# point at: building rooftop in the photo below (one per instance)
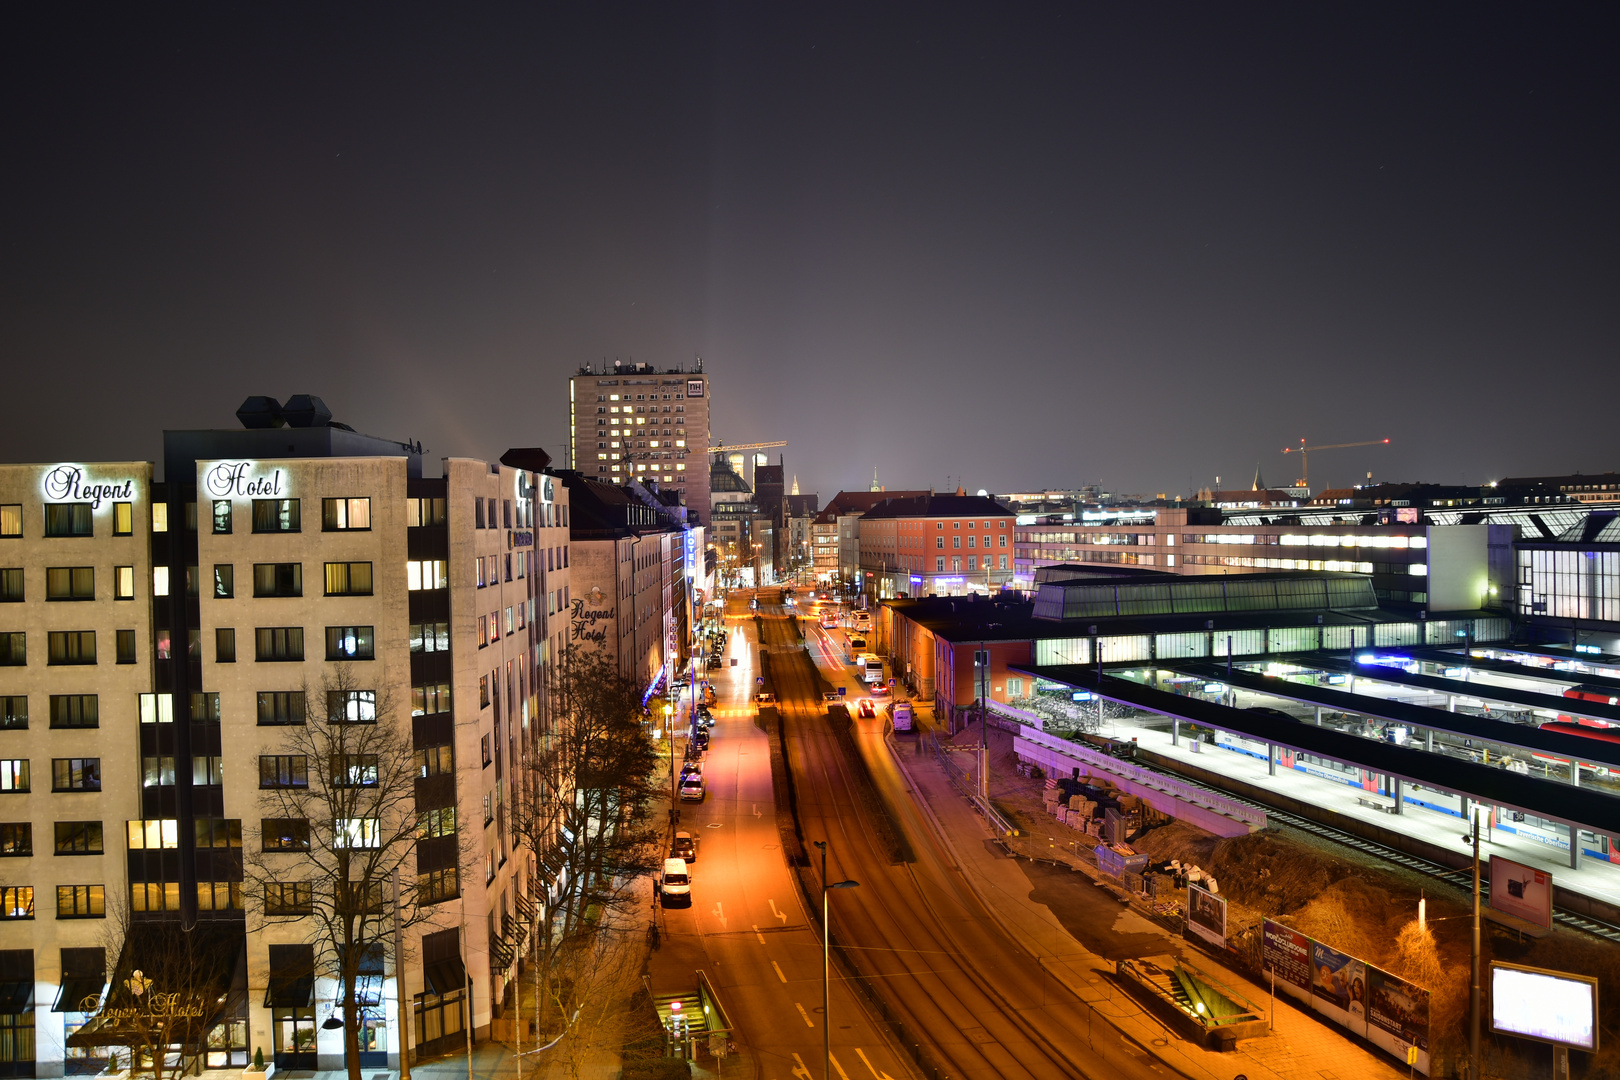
(967, 506)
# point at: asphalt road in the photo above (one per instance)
(976, 1002)
(747, 927)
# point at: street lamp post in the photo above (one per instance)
(826, 962)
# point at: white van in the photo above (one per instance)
(676, 881)
(901, 714)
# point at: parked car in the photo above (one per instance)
(675, 883)
(713, 663)
(831, 697)
(684, 846)
(691, 788)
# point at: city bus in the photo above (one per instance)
(829, 618)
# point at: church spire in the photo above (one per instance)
(795, 483)
(875, 485)
(1259, 481)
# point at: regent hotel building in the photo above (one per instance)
(157, 643)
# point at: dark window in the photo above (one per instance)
(70, 583)
(278, 579)
(16, 839)
(13, 649)
(278, 643)
(284, 834)
(76, 774)
(222, 515)
(506, 512)
(224, 645)
(224, 581)
(281, 707)
(345, 515)
(350, 643)
(157, 771)
(68, 519)
(205, 706)
(74, 711)
(14, 712)
(435, 761)
(348, 579)
(436, 886)
(354, 770)
(72, 646)
(283, 771)
(289, 898)
(11, 585)
(125, 641)
(351, 706)
(78, 838)
(478, 513)
(276, 515)
(81, 902)
(222, 833)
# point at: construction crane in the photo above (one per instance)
(1304, 453)
(722, 448)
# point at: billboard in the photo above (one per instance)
(1550, 1006)
(1286, 954)
(1206, 915)
(1397, 1015)
(1339, 985)
(1521, 890)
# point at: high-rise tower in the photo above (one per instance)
(636, 420)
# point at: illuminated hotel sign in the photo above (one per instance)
(240, 480)
(694, 387)
(67, 483)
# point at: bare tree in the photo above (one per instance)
(583, 811)
(337, 795)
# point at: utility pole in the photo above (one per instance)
(983, 656)
(399, 989)
(1473, 987)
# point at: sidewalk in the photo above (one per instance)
(1300, 1045)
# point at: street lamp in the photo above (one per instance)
(826, 962)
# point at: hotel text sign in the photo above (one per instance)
(239, 480)
(67, 483)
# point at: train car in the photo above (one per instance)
(1603, 695)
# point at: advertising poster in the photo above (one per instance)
(1398, 1016)
(1339, 983)
(1206, 915)
(1551, 1006)
(1286, 953)
(1522, 891)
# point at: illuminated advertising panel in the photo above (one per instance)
(1206, 915)
(1522, 891)
(1549, 1006)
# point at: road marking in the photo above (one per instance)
(807, 1021)
(759, 935)
(782, 915)
(870, 1067)
(756, 810)
(834, 1059)
(720, 915)
(778, 968)
(799, 1069)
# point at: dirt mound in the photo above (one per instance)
(1177, 840)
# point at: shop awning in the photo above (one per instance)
(16, 996)
(80, 993)
(445, 976)
(290, 991)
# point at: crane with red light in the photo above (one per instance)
(1304, 453)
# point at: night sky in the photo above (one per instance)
(1006, 246)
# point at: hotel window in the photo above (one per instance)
(75, 710)
(205, 707)
(348, 579)
(284, 834)
(431, 888)
(973, 562)
(271, 579)
(207, 771)
(956, 541)
(222, 516)
(354, 770)
(16, 839)
(430, 700)
(13, 649)
(972, 540)
(160, 517)
(78, 838)
(224, 645)
(153, 834)
(81, 902)
(351, 706)
(430, 824)
(289, 898)
(157, 708)
(14, 712)
(224, 581)
(154, 896)
(72, 647)
(425, 574)
(123, 583)
(278, 644)
(68, 519)
(11, 519)
(345, 515)
(420, 512)
(283, 771)
(430, 637)
(276, 516)
(17, 902)
(939, 562)
(1003, 562)
(123, 519)
(280, 707)
(1001, 541)
(124, 643)
(160, 581)
(435, 761)
(13, 774)
(956, 564)
(350, 643)
(357, 834)
(76, 774)
(11, 585)
(70, 583)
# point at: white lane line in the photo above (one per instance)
(778, 968)
(807, 1021)
(759, 935)
(834, 1059)
(870, 1067)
